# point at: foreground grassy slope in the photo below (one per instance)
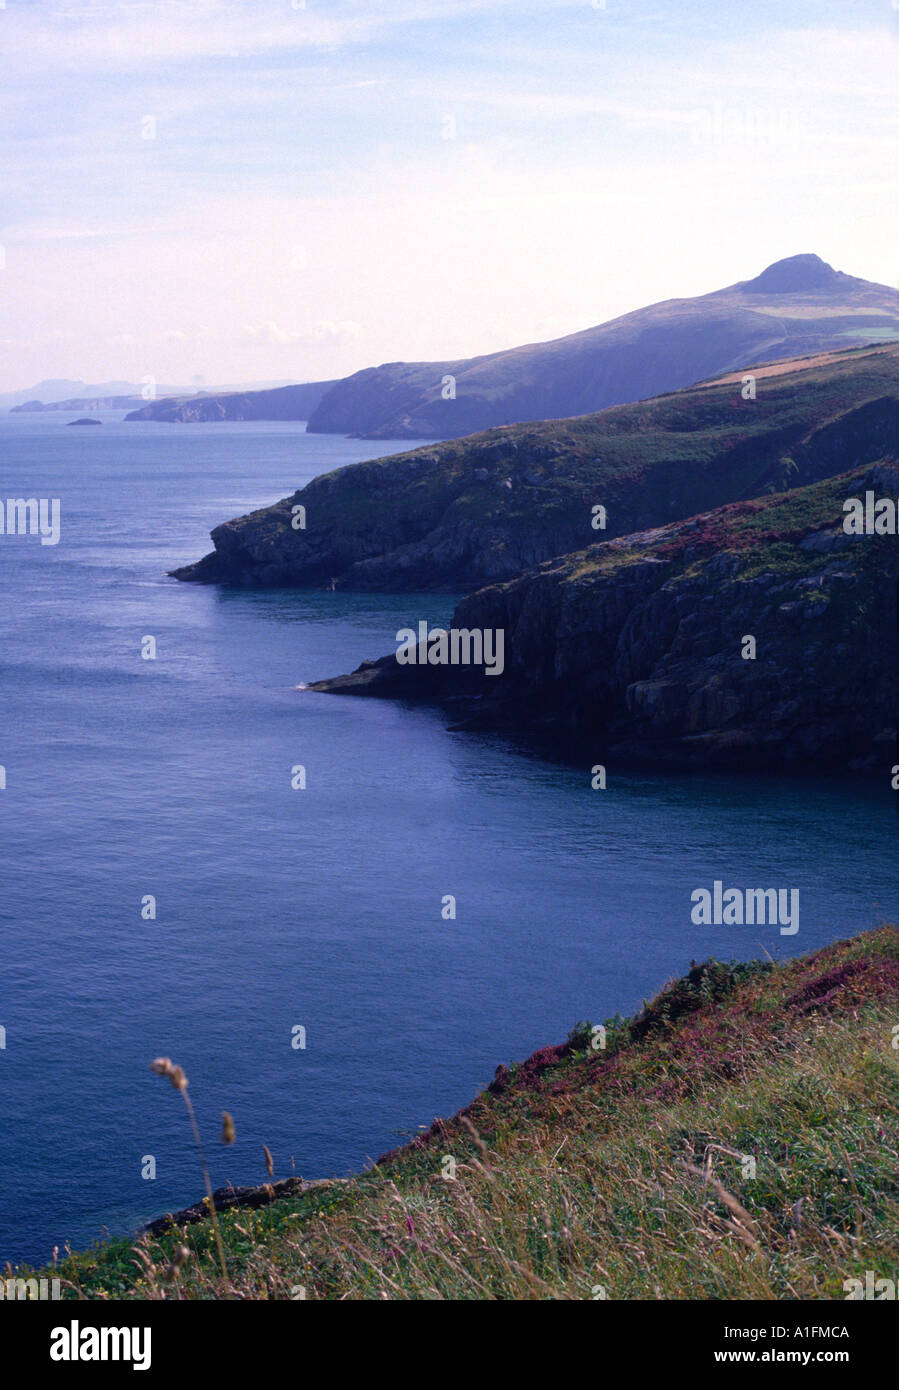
(621, 1172)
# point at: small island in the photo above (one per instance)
(84, 421)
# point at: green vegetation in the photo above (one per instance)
(468, 512)
(762, 534)
(737, 1139)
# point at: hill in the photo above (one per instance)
(62, 394)
(78, 403)
(465, 513)
(98, 399)
(796, 306)
(734, 1140)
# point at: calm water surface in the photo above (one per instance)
(322, 907)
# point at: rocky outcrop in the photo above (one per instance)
(798, 305)
(248, 1198)
(465, 513)
(639, 647)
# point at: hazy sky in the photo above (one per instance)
(339, 183)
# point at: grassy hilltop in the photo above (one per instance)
(798, 305)
(739, 1138)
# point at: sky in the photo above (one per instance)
(225, 191)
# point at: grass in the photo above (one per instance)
(737, 1139)
(649, 463)
(761, 534)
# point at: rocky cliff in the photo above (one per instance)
(465, 513)
(640, 645)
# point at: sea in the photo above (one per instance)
(337, 963)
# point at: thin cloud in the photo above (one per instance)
(325, 331)
(122, 35)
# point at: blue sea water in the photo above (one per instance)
(318, 907)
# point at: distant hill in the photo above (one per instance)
(468, 512)
(796, 306)
(78, 403)
(61, 394)
(279, 403)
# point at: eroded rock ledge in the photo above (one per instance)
(226, 1198)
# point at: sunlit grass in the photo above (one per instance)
(739, 1139)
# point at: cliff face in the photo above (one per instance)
(279, 403)
(796, 306)
(466, 513)
(639, 644)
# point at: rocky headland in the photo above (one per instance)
(758, 634)
(466, 513)
(275, 403)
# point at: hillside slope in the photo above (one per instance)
(735, 1140)
(637, 645)
(470, 512)
(796, 306)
